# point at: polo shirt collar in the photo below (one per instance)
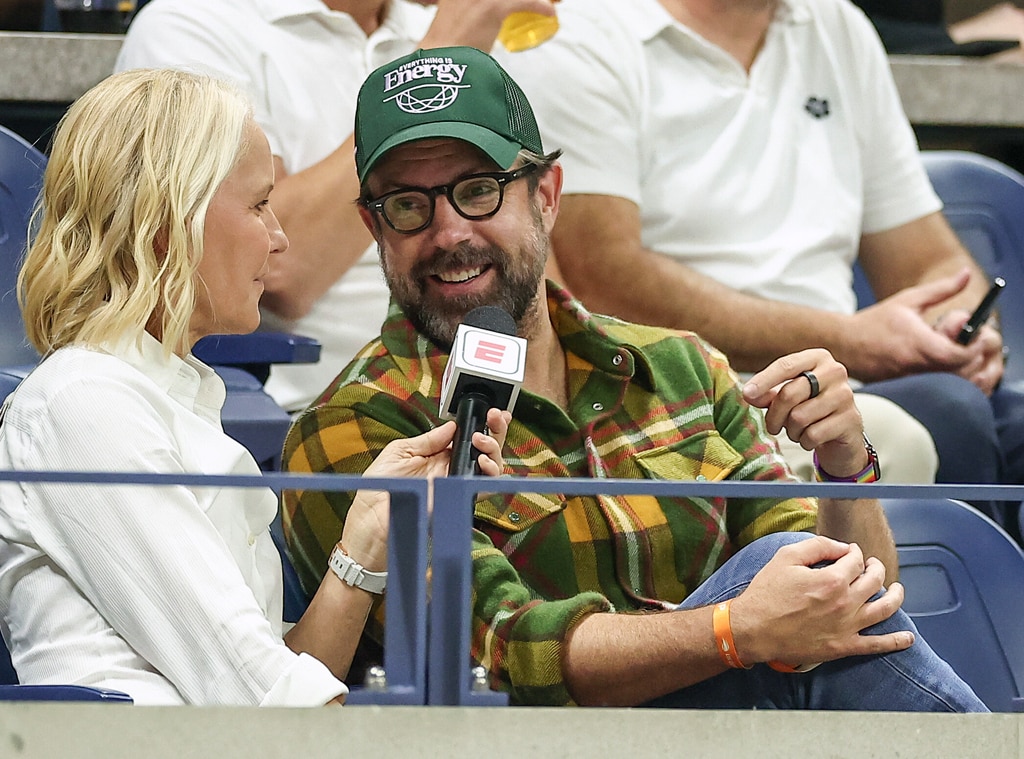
(277, 10)
(403, 17)
(651, 18)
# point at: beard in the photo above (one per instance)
(516, 284)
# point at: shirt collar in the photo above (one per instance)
(400, 16)
(578, 330)
(276, 10)
(187, 380)
(652, 18)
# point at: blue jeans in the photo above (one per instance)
(914, 680)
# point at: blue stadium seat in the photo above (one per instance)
(21, 172)
(982, 200)
(295, 598)
(964, 580)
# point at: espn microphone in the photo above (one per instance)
(485, 370)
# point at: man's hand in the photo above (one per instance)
(795, 612)
(476, 22)
(828, 422)
(365, 534)
(985, 367)
(900, 335)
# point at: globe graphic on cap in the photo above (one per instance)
(426, 98)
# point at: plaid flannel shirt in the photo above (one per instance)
(643, 403)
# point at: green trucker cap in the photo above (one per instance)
(457, 92)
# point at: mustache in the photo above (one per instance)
(462, 256)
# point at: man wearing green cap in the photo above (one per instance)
(604, 600)
(302, 62)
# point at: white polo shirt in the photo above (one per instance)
(172, 594)
(302, 64)
(763, 181)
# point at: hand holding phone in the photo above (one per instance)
(981, 313)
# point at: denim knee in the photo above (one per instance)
(735, 575)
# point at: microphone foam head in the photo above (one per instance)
(493, 318)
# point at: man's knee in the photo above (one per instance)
(732, 578)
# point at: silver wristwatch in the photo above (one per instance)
(352, 572)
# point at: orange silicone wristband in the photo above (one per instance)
(722, 625)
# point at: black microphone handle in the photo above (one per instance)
(470, 417)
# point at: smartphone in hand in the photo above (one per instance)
(981, 313)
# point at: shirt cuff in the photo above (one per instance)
(306, 682)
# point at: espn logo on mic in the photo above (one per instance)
(480, 358)
(491, 352)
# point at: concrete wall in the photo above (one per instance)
(97, 731)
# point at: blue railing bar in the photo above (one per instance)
(740, 489)
(275, 481)
(570, 485)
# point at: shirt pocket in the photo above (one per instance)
(705, 456)
(519, 511)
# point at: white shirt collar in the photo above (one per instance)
(652, 18)
(187, 380)
(400, 16)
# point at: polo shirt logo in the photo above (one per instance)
(426, 96)
(817, 107)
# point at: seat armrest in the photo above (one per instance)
(62, 693)
(257, 348)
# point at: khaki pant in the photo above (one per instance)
(906, 453)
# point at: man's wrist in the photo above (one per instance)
(870, 473)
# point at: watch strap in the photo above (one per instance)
(351, 572)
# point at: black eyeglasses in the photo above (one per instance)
(478, 196)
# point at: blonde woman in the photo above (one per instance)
(154, 230)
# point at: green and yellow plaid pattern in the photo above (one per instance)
(643, 403)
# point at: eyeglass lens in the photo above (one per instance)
(473, 197)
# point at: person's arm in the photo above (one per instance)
(791, 612)
(598, 246)
(332, 625)
(828, 423)
(475, 23)
(907, 268)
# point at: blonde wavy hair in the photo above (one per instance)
(134, 164)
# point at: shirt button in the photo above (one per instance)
(252, 540)
(617, 360)
(513, 516)
(598, 407)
